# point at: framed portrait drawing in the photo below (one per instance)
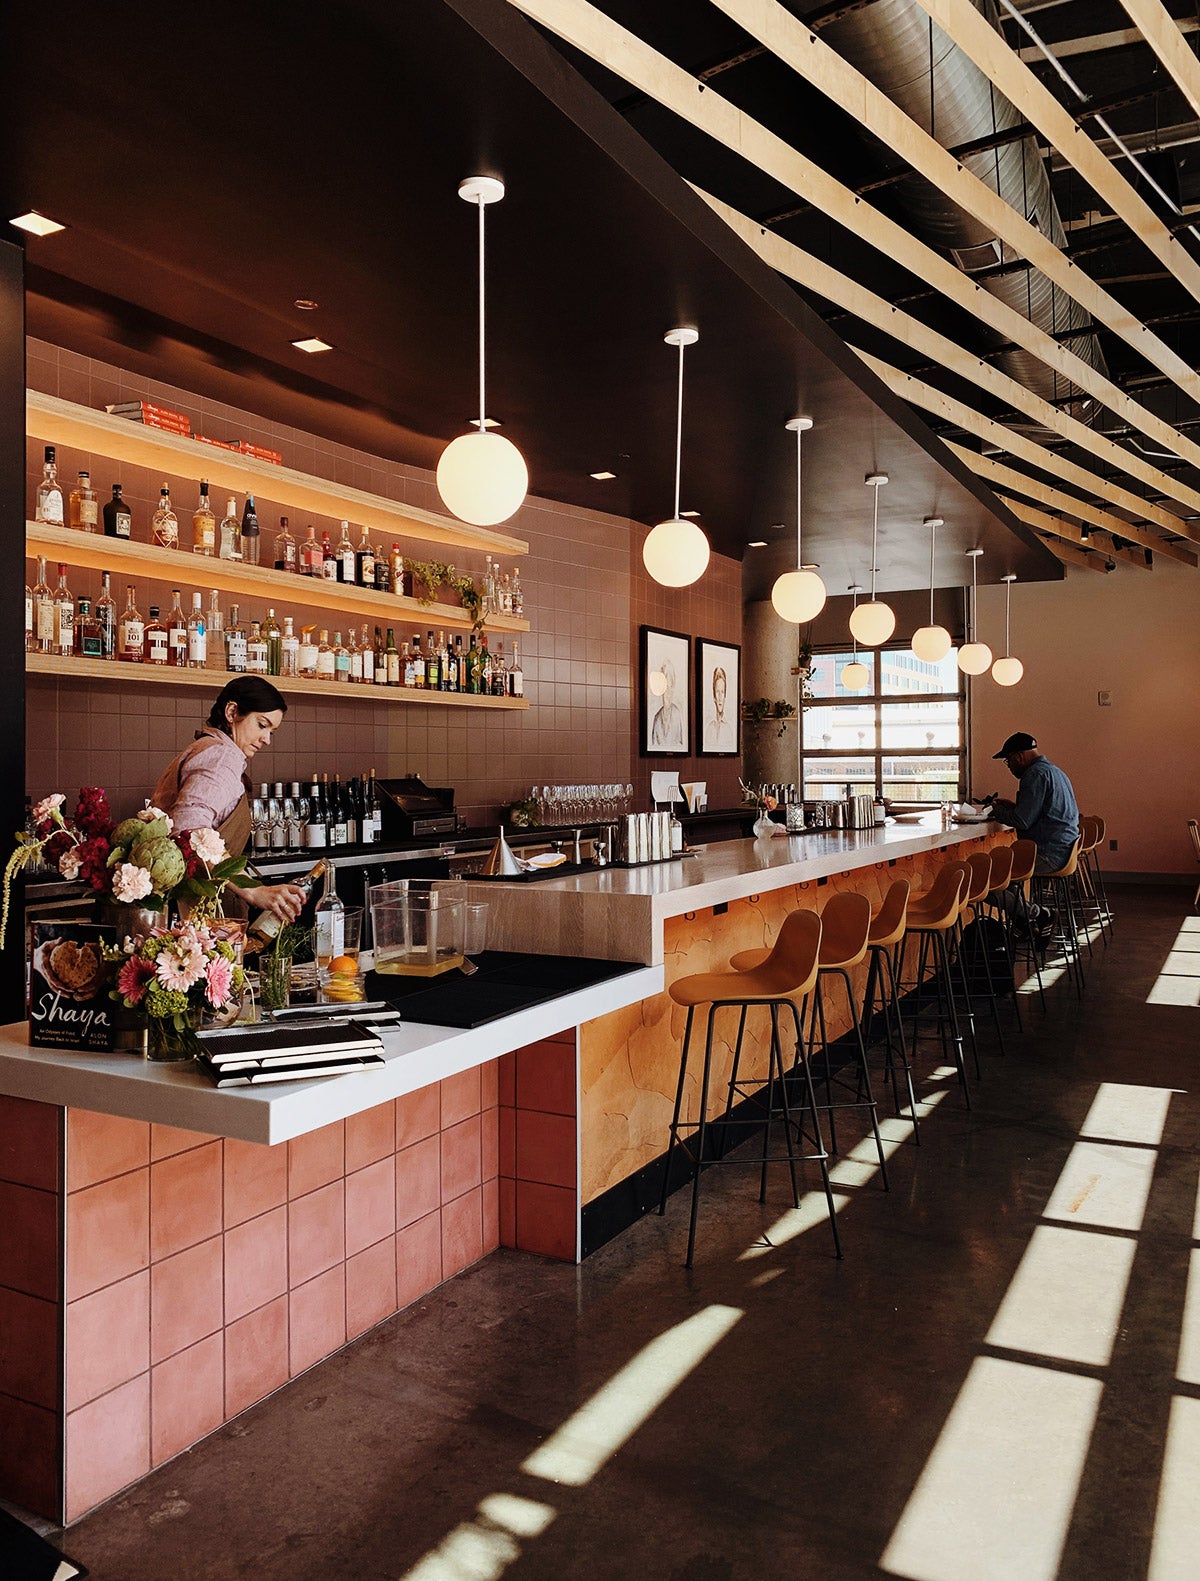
(718, 698)
(664, 678)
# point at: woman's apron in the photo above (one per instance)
(234, 829)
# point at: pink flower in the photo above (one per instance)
(131, 883)
(133, 978)
(149, 814)
(69, 863)
(208, 846)
(183, 970)
(220, 982)
(47, 807)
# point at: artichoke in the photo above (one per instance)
(162, 859)
(128, 832)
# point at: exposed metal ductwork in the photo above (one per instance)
(894, 44)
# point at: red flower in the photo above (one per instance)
(58, 842)
(93, 815)
(133, 978)
(93, 855)
(194, 864)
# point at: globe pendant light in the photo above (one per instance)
(1007, 671)
(873, 623)
(931, 643)
(798, 595)
(482, 477)
(855, 675)
(974, 657)
(676, 551)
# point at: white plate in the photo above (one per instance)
(909, 817)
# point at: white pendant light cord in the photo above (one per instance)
(874, 541)
(973, 623)
(932, 543)
(1007, 607)
(799, 502)
(679, 432)
(482, 325)
(853, 638)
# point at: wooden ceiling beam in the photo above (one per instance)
(981, 43)
(813, 60)
(1069, 555)
(930, 399)
(1058, 501)
(1097, 43)
(1043, 523)
(589, 30)
(1165, 37)
(815, 275)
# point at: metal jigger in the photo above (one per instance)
(500, 859)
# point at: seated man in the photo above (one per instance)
(1045, 810)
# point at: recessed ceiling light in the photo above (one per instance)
(757, 543)
(602, 477)
(36, 224)
(306, 304)
(689, 513)
(312, 344)
(776, 526)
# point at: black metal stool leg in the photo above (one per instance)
(890, 966)
(820, 998)
(777, 1057)
(820, 1156)
(956, 958)
(864, 1076)
(674, 1132)
(701, 1131)
(959, 1054)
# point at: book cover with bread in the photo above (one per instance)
(69, 981)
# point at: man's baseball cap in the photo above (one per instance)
(1021, 741)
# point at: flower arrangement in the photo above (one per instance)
(173, 977)
(752, 796)
(136, 862)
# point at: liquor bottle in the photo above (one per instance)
(229, 546)
(459, 666)
(329, 561)
(315, 832)
(499, 685)
(381, 661)
(344, 553)
(118, 518)
(350, 809)
(518, 597)
(260, 819)
(433, 672)
(489, 584)
(505, 595)
(329, 921)
(30, 634)
(356, 661)
(383, 574)
(273, 638)
(289, 649)
(44, 616)
(285, 548)
(87, 632)
(250, 545)
(204, 524)
(306, 658)
(391, 660)
(444, 662)
(235, 643)
(278, 820)
(516, 676)
(296, 812)
(85, 507)
(155, 644)
(341, 659)
(367, 652)
(256, 650)
(325, 663)
(64, 611)
(164, 524)
(364, 561)
(311, 554)
(177, 633)
(400, 581)
(215, 621)
(485, 667)
(406, 665)
(50, 507)
(264, 929)
(106, 619)
(418, 663)
(474, 668)
(131, 634)
(197, 636)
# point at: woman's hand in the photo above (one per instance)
(285, 901)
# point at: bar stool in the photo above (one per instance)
(884, 942)
(1063, 884)
(782, 979)
(980, 863)
(1091, 832)
(1097, 872)
(1001, 857)
(931, 919)
(1024, 861)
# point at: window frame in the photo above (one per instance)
(880, 701)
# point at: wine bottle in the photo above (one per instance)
(264, 929)
(329, 920)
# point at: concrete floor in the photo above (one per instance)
(979, 1392)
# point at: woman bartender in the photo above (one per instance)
(205, 786)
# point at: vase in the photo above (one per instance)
(169, 1044)
(131, 922)
(763, 827)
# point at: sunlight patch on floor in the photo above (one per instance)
(593, 1434)
(1121, 1112)
(1178, 983)
(1173, 1556)
(1187, 1365)
(484, 1548)
(995, 1498)
(1103, 1185)
(1065, 1299)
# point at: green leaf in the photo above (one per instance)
(227, 869)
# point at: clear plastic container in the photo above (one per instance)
(418, 934)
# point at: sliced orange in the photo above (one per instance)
(343, 966)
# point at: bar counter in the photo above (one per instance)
(169, 1269)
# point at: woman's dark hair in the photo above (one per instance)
(250, 694)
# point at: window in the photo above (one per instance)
(903, 736)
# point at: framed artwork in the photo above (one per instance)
(718, 698)
(663, 678)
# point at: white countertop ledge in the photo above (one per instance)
(179, 1095)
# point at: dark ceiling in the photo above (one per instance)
(207, 188)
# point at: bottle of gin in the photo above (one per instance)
(204, 524)
(106, 619)
(64, 609)
(215, 621)
(307, 656)
(44, 618)
(329, 921)
(256, 650)
(311, 556)
(177, 632)
(285, 548)
(235, 643)
(197, 636)
(289, 649)
(164, 524)
(229, 546)
(50, 507)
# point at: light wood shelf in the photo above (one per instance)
(128, 558)
(58, 422)
(290, 686)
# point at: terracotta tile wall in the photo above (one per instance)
(539, 1148)
(583, 597)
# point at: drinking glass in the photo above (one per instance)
(475, 927)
